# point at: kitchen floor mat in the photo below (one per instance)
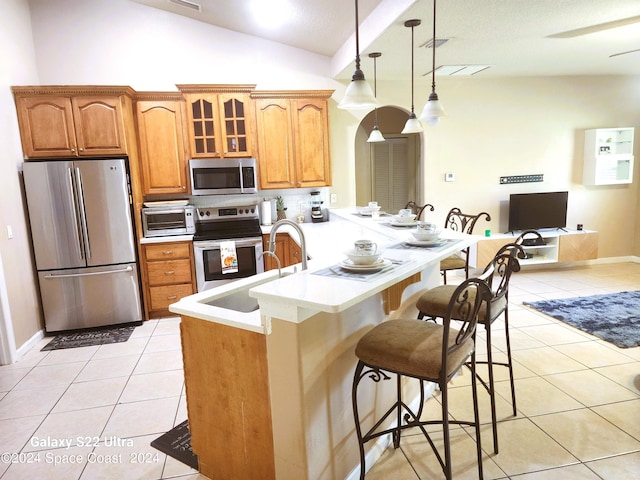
(177, 444)
(88, 338)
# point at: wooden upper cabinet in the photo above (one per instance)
(219, 120)
(293, 138)
(71, 121)
(311, 142)
(161, 137)
(275, 143)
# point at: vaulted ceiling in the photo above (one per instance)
(512, 37)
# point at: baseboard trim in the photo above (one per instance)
(29, 344)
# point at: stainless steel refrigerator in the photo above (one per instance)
(82, 230)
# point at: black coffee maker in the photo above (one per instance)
(318, 214)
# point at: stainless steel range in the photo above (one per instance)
(215, 225)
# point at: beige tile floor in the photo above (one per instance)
(578, 397)
(578, 402)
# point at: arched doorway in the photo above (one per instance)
(388, 172)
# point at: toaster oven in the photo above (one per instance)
(165, 221)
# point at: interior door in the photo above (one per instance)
(393, 174)
(107, 210)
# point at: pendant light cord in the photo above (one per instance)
(433, 64)
(412, 109)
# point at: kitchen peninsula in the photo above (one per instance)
(269, 390)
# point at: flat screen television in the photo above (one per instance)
(538, 210)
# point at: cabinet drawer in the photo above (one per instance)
(162, 297)
(167, 251)
(170, 272)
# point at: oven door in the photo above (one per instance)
(209, 266)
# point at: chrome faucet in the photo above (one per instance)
(272, 239)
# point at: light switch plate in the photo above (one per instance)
(449, 177)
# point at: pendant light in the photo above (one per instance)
(413, 125)
(358, 94)
(433, 108)
(376, 134)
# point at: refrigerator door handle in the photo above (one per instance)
(76, 212)
(70, 275)
(81, 208)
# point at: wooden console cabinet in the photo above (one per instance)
(559, 247)
(169, 275)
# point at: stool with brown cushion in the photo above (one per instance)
(434, 303)
(460, 222)
(417, 209)
(428, 352)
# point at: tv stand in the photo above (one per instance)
(559, 246)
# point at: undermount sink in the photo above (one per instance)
(239, 300)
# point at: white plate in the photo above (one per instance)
(167, 203)
(379, 265)
(425, 243)
(395, 223)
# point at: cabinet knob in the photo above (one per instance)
(81, 149)
(73, 150)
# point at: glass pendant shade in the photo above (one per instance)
(376, 135)
(413, 125)
(358, 96)
(432, 111)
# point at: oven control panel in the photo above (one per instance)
(227, 213)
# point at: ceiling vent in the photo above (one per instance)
(439, 42)
(187, 4)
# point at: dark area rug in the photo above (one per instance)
(88, 338)
(612, 317)
(177, 444)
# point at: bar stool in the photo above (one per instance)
(460, 222)
(428, 352)
(417, 209)
(434, 303)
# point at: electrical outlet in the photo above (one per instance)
(334, 198)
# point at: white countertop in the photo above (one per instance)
(296, 297)
(166, 239)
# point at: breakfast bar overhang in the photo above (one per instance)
(269, 391)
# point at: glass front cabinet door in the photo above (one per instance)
(219, 120)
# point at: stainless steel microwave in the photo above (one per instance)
(223, 176)
(165, 221)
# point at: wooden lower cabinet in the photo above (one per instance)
(168, 274)
(287, 250)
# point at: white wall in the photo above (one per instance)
(18, 67)
(120, 42)
(518, 126)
